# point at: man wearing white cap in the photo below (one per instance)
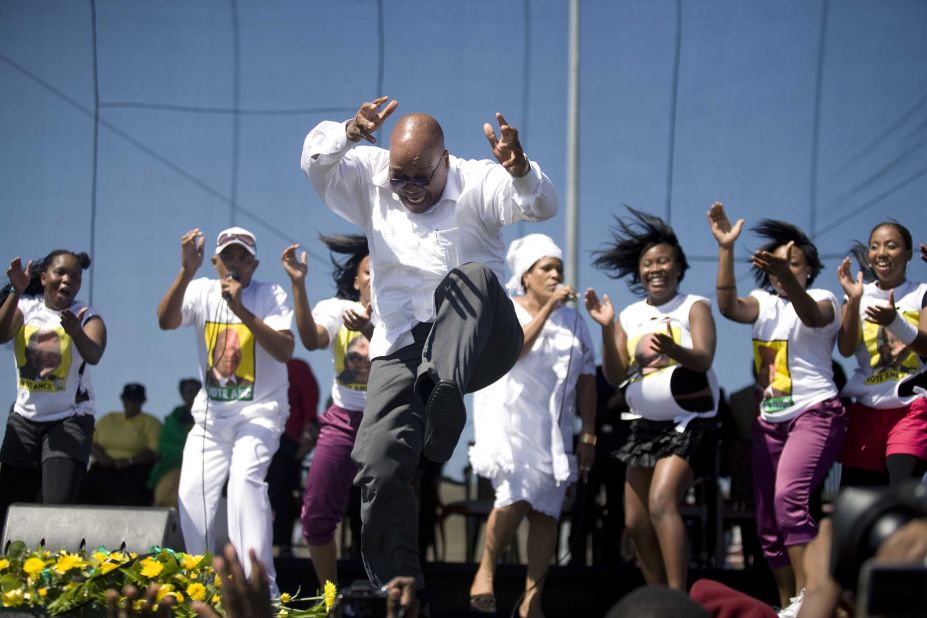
(444, 324)
(239, 418)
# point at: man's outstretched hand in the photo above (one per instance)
(506, 148)
(368, 119)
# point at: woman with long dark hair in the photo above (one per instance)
(802, 422)
(884, 325)
(661, 350)
(343, 325)
(49, 432)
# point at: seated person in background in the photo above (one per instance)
(165, 475)
(124, 450)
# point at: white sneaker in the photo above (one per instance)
(794, 605)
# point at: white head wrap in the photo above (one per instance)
(522, 255)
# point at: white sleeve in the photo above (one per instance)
(276, 309)
(818, 295)
(507, 199)
(340, 172)
(328, 314)
(194, 302)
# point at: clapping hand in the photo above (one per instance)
(721, 228)
(600, 310)
(191, 250)
(882, 314)
(852, 287)
(774, 265)
(367, 119)
(506, 148)
(19, 278)
(72, 323)
(297, 269)
(357, 320)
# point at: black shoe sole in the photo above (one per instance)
(445, 417)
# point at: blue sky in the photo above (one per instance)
(810, 111)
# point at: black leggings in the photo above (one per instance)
(56, 482)
(900, 469)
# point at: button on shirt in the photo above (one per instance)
(411, 253)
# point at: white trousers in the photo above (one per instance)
(239, 449)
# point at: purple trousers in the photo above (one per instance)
(328, 487)
(790, 459)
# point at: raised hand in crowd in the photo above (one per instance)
(721, 228)
(19, 277)
(600, 309)
(296, 269)
(149, 607)
(852, 287)
(191, 250)
(359, 321)
(241, 597)
(506, 148)
(368, 119)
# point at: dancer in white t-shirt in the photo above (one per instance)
(243, 337)
(884, 325)
(661, 348)
(524, 421)
(802, 422)
(49, 432)
(342, 325)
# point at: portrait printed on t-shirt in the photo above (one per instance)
(43, 358)
(890, 359)
(640, 348)
(352, 359)
(771, 361)
(230, 362)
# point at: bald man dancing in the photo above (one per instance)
(445, 326)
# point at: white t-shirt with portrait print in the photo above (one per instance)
(350, 352)
(883, 362)
(239, 376)
(792, 361)
(53, 381)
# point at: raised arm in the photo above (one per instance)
(11, 318)
(850, 328)
(744, 310)
(813, 314)
(614, 340)
(191, 258)
(313, 336)
(534, 196)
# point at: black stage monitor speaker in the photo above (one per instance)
(73, 526)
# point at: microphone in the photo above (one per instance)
(572, 297)
(235, 276)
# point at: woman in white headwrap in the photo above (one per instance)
(524, 422)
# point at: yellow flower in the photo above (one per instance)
(118, 556)
(283, 613)
(34, 566)
(285, 597)
(330, 592)
(43, 592)
(99, 556)
(197, 592)
(215, 599)
(4, 563)
(67, 562)
(13, 598)
(106, 567)
(166, 590)
(190, 562)
(151, 568)
(218, 581)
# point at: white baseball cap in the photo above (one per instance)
(236, 236)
